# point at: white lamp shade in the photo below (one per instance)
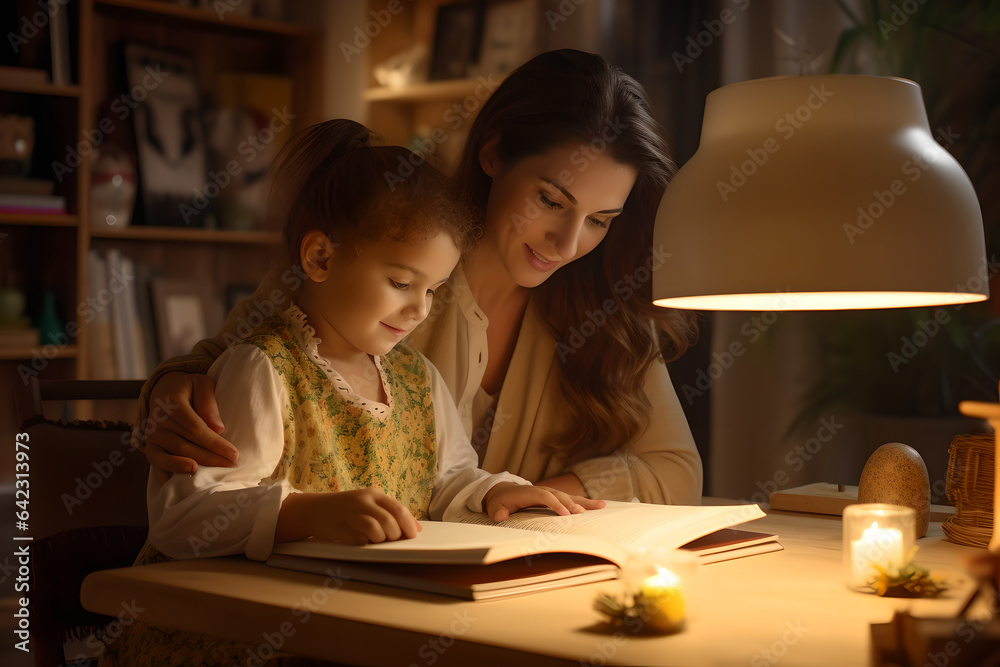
(819, 193)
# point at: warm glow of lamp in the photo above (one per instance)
(819, 193)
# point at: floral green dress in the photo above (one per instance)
(331, 443)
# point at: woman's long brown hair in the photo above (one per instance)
(599, 308)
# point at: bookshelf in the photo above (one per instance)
(427, 108)
(51, 252)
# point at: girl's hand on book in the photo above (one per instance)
(506, 498)
(349, 517)
(183, 426)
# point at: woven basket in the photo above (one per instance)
(970, 488)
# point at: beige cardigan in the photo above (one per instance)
(661, 465)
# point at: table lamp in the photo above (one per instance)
(821, 193)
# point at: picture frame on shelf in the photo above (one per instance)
(181, 314)
(509, 34)
(170, 138)
(457, 31)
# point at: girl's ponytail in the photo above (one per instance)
(331, 177)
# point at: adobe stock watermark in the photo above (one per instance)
(900, 13)
(432, 650)
(752, 330)
(88, 310)
(882, 200)
(365, 33)
(966, 630)
(86, 485)
(102, 641)
(249, 149)
(223, 7)
(926, 330)
(122, 107)
(626, 287)
(714, 28)
(455, 116)
(219, 525)
(36, 24)
(786, 126)
(581, 158)
(302, 611)
(561, 13)
(770, 655)
(796, 459)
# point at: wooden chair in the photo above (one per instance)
(87, 513)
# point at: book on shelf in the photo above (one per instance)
(32, 204)
(100, 338)
(121, 328)
(145, 274)
(23, 185)
(59, 43)
(133, 323)
(476, 558)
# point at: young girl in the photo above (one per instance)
(342, 434)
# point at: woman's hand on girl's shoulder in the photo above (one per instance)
(182, 427)
(506, 498)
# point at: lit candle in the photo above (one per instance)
(661, 601)
(877, 546)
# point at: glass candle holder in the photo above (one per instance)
(658, 581)
(876, 537)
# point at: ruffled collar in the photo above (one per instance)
(310, 342)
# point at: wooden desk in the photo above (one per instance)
(789, 607)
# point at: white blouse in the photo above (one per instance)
(224, 511)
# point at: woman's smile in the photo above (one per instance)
(538, 262)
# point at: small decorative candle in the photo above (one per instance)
(876, 536)
(661, 602)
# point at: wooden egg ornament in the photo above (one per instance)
(895, 474)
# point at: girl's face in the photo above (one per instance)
(550, 209)
(364, 299)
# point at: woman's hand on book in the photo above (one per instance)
(356, 517)
(183, 426)
(506, 498)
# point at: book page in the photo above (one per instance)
(444, 542)
(631, 524)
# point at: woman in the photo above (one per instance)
(545, 333)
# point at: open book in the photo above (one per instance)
(532, 550)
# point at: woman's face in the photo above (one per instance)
(547, 210)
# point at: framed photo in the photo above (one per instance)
(508, 39)
(456, 40)
(181, 314)
(170, 139)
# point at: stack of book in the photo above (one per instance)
(30, 196)
(475, 558)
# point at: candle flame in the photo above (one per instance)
(664, 577)
(874, 524)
